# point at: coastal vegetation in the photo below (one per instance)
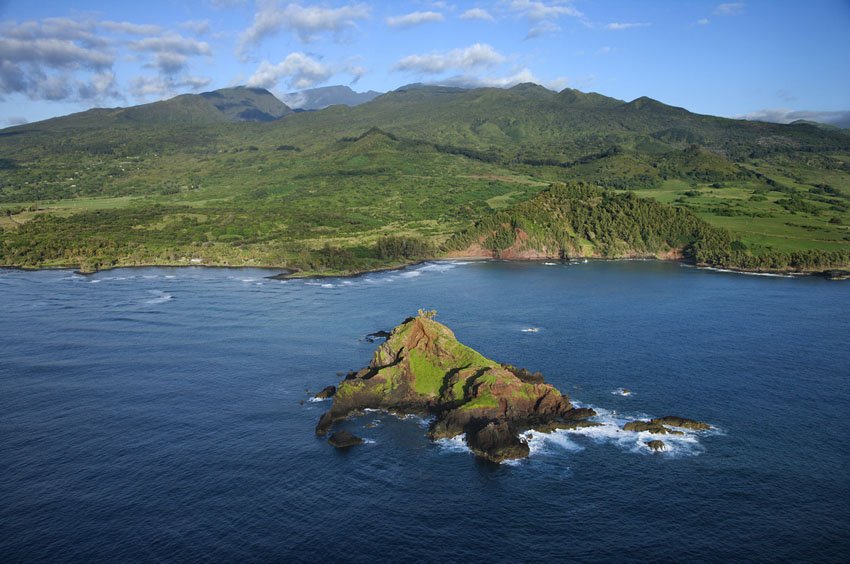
(419, 173)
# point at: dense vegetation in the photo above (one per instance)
(406, 176)
(576, 220)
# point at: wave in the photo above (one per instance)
(625, 392)
(611, 432)
(160, 297)
(318, 400)
(530, 330)
(453, 444)
(745, 273)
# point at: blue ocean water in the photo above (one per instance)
(163, 414)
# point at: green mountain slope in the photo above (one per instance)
(179, 178)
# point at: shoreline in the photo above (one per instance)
(283, 273)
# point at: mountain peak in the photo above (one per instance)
(247, 103)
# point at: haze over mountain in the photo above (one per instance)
(320, 98)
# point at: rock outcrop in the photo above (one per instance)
(674, 421)
(656, 445)
(650, 427)
(422, 368)
(344, 439)
(326, 393)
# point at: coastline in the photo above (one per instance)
(283, 273)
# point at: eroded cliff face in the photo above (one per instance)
(423, 368)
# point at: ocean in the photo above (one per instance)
(164, 414)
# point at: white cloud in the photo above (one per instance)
(131, 28)
(56, 53)
(729, 9)
(414, 18)
(54, 59)
(297, 70)
(64, 29)
(159, 87)
(172, 43)
(306, 22)
(837, 118)
(537, 11)
(703, 21)
(198, 27)
(475, 56)
(494, 81)
(477, 14)
(541, 29)
(356, 73)
(171, 52)
(617, 26)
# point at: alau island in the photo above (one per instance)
(423, 369)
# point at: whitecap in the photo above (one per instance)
(530, 330)
(625, 392)
(745, 273)
(539, 442)
(611, 432)
(318, 400)
(410, 273)
(453, 444)
(550, 263)
(94, 281)
(369, 441)
(161, 297)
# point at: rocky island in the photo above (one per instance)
(422, 368)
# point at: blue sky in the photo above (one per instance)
(756, 58)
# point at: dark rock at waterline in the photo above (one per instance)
(651, 427)
(283, 275)
(497, 441)
(327, 392)
(372, 337)
(656, 445)
(549, 426)
(578, 413)
(674, 421)
(835, 274)
(344, 439)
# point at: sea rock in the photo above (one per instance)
(550, 426)
(327, 392)
(344, 439)
(656, 445)
(674, 421)
(497, 441)
(836, 274)
(372, 337)
(423, 368)
(651, 427)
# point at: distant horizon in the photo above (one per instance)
(730, 59)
